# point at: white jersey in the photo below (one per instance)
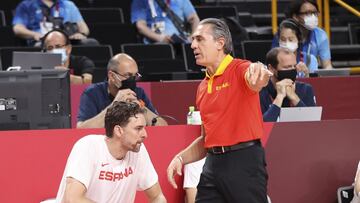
(106, 178)
(192, 172)
(356, 198)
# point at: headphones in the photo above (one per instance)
(291, 24)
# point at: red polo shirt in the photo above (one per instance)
(230, 110)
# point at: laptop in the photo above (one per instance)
(311, 113)
(36, 60)
(333, 72)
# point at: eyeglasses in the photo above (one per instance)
(128, 75)
(307, 13)
(57, 46)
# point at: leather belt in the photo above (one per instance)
(225, 149)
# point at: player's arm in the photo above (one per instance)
(75, 192)
(154, 194)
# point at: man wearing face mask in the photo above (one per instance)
(81, 67)
(314, 40)
(283, 90)
(120, 86)
(290, 37)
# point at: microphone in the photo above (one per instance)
(154, 120)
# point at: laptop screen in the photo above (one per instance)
(36, 60)
(289, 114)
(333, 72)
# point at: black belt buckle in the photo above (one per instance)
(221, 151)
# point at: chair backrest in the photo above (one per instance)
(102, 15)
(354, 33)
(2, 18)
(114, 34)
(216, 11)
(189, 58)
(345, 194)
(123, 4)
(345, 52)
(149, 51)
(100, 55)
(255, 50)
(6, 54)
(99, 74)
(7, 37)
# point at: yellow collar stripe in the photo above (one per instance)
(219, 71)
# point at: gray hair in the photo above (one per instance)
(220, 30)
(113, 64)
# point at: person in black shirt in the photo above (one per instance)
(81, 67)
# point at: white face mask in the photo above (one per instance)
(61, 51)
(292, 46)
(311, 21)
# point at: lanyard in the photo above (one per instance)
(153, 10)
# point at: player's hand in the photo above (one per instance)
(174, 168)
(126, 95)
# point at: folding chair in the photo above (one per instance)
(102, 15)
(100, 55)
(149, 51)
(255, 50)
(345, 194)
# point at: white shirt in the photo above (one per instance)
(106, 178)
(192, 172)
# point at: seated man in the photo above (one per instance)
(155, 24)
(34, 18)
(283, 90)
(111, 168)
(81, 67)
(120, 86)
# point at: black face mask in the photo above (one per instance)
(129, 83)
(289, 74)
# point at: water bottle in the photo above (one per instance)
(190, 119)
(193, 117)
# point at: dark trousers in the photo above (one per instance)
(235, 177)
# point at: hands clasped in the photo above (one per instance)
(126, 95)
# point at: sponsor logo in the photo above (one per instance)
(222, 86)
(104, 164)
(111, 176)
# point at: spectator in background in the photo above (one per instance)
(112, 168)
(34, 18)
(120, 86)
(283, 90)
(81, 67)
(314, 39)
(290, 37)
(155, 25)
